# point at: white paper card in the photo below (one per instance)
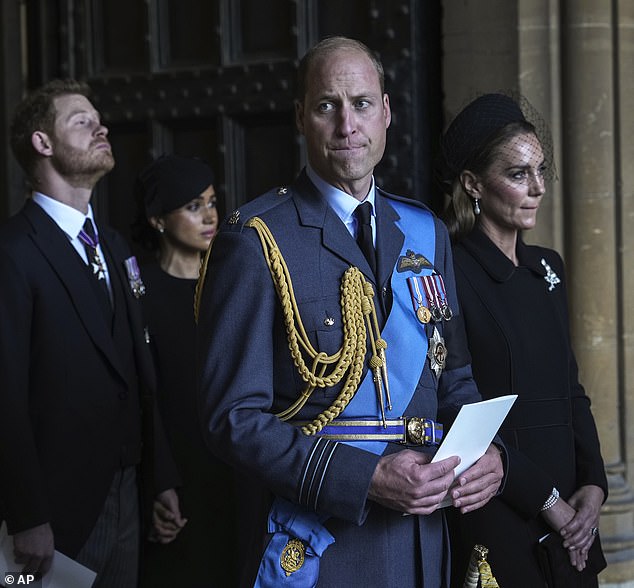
(472, 432)
(64, 573)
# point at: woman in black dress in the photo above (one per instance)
(492, 167)
(177, 220)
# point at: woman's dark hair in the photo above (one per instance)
(141, 231)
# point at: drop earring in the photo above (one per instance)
(476, 206)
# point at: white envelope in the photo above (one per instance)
(64, 573)
(472, 432)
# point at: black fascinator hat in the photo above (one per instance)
(171, 181)
(480, 121)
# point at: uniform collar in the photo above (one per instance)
(343, 204)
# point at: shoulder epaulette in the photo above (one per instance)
(257, 207)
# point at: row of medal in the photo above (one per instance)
(429, 298)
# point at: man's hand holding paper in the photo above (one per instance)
(477, 485)
(480, 472)
(406, 481)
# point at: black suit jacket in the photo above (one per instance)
(70, 402)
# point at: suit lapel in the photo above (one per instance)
(127, 305)
(60, 254)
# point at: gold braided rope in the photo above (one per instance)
(479, 569)
(358, 318)
(198, 292)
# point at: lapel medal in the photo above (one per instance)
(423, 314)
(418, 299)
(442, 294)
(437, 353)
(434, 287)
(134, 276)
(429, 286)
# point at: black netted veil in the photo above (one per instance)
(479, 122)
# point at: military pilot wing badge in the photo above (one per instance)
(412, 262)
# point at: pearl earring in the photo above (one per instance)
(476, 206)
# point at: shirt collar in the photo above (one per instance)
(69, 219)
(343, 204)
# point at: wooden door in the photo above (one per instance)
(216, 79)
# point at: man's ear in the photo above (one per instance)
(42, 143)
(299, 116)
(387, 112)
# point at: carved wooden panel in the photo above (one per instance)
(258, 32)
(186, 33)
(217, 79)
(116, 37)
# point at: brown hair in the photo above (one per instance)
(327, 47)
(37, 112)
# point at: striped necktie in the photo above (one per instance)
(96, 264)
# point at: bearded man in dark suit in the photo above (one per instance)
(75, 368)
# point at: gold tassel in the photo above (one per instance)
(479, 569)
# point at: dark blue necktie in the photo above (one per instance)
(363, 213)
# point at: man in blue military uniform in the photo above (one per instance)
(330, 358)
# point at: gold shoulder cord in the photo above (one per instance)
(479, 569)
(358, 317)
(198, 292)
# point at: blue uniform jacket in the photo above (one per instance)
(247, 375)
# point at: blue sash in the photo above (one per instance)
(403, 333)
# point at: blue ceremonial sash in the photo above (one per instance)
(289, 521)
(403, 333)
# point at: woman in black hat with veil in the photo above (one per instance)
(542, 529)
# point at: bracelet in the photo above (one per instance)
(551, 500)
